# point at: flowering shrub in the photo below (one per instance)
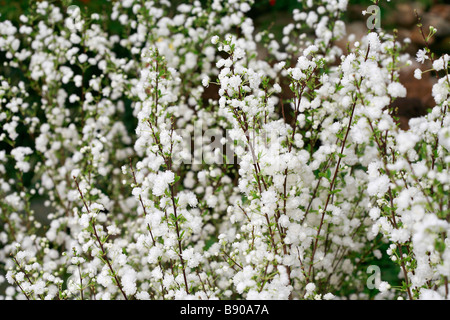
(191, 156)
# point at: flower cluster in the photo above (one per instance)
(309, 179)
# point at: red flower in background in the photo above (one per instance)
(272, 2)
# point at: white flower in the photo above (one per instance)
(421, 55)
(215, 39)
(205, 81)
(406, 141)
(310, 287)
(384, 286)
(277, 88)
(82, 58)
(328, 296)
(309, 50)
(19, 155)
(418, 74)
(113, 230)
(378, 186)
(245, 7)
(296, 73)
(129, 281)
(142, 295)
(438, 64)
(374, 41)
(374, 213)
(396, 90)
(428, 294)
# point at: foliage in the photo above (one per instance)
(180, 154)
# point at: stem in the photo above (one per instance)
(142, 204)
(25, 273)
(81, 283)
(104, 253)
(23, 291)
(331, 188)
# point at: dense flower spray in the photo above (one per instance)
(191, 156)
